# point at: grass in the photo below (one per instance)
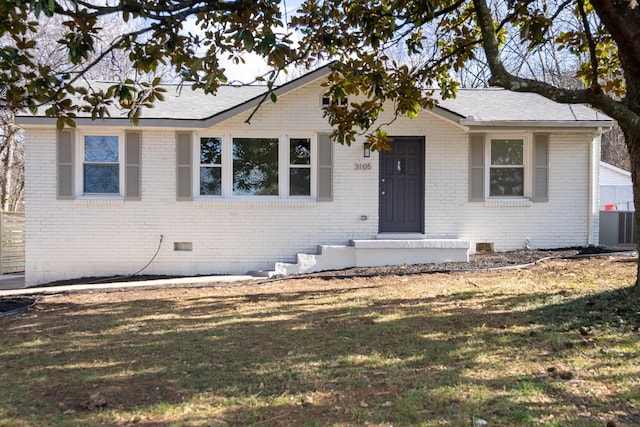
(555, 345)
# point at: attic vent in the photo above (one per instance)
(327, 100)
(183, 246)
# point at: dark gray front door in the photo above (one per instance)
(402, 186)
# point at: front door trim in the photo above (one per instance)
(402, 186)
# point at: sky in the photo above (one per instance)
(254, 65)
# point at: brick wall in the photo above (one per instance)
(76, 238)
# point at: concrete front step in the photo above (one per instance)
(375, 253)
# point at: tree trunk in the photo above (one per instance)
(12, 166)
(7, 184)
(633, 144)
(621, 20)
(16, 203)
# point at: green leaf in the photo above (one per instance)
(248, 40)
(413, 111)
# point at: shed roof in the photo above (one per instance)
(612, 175)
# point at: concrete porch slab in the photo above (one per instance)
(411, 244)
(375, 253)
(378, 252)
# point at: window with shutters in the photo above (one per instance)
(272, 166)
(101, 166)
(93, 165)
(508, 166)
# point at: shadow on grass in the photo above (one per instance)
(617, 309)
(330, 356)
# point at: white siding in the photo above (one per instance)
(76, 238)
(611, 175)
(615, 188)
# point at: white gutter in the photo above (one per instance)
(593, 237)
(537, 124)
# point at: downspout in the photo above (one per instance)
(594, 190)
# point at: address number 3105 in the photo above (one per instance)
(363, 166)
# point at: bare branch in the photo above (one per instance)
(592, 45)
(500, 77)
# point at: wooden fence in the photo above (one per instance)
(11, 242)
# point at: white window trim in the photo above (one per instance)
(196, 172)
(79, 168)
(227, 167)
(286, 144)
(527, 141)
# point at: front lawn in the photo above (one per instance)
(553, 345)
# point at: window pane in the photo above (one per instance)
(211, 151)
(210, 181)
(300, 153)
(255, 166)
(506, 152)
(101, 179)
(506, 182)
(100, 149)
(300, 181)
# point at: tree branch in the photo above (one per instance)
(502, 78)
(191, 7)
(593, 56)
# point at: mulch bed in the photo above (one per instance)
(15, 305)
(478, 261)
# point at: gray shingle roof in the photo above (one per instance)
(181, 102)
(187, 104)
(500, 105)
(184, 107)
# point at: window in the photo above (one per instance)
(93, 166)
(101, 167)
(515, 167)
(224, 167)
(299, 167)
(210, 166)
(506, 171)
(255, 166)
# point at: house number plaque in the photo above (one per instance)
(363, 166)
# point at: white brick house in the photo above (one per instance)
(213, 194)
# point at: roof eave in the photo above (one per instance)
(559, 124)
(446, 114)
(124, 122)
